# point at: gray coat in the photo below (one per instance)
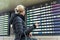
(19, 27)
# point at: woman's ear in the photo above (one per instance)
(16, 10)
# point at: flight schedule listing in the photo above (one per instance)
(48, 18)
(4, 25)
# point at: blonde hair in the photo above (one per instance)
(19, 7)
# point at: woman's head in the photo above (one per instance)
(20, 9)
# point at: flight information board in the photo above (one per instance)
(48, 18)
(4, 28)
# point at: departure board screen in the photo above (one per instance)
(48, 18)
(4, 28)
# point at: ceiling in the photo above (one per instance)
(6, 5)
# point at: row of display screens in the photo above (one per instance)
(52, 7)
(48, 17)
(4, 25)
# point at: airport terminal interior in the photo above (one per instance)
(45, 12)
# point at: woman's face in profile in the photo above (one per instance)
(24, 12)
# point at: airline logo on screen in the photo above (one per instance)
(48, 17)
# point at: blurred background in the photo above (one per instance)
(42, 9)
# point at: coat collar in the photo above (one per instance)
(21, 16)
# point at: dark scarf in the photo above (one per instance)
(21, 16)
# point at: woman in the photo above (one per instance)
(18, 22)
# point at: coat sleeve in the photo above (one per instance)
(19, 27)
